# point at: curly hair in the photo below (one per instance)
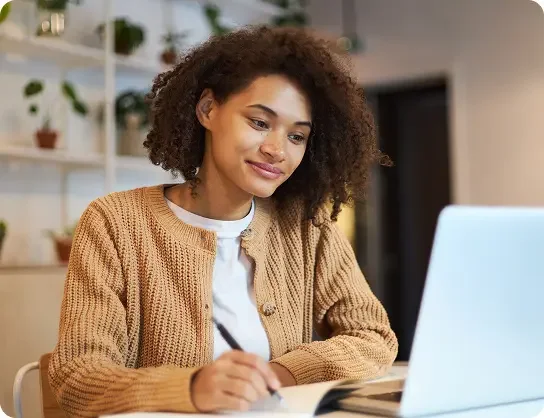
(342, 145)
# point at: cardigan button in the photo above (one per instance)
(268, 308)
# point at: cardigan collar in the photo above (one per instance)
(253, 235)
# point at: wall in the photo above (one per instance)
(493, 53)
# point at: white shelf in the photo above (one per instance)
(126, 162)
(53, 156)
(139, 66)
(65, 54)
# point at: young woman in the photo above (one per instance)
(268, 129)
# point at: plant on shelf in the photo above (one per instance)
(4, 11)
(46, 136)
(132, 114)
(63, 242)
(3, 231)
(52, 16)
(292, 13)
(173, 41)
(212, 14)
(127, 36)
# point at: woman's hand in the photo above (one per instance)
(232, 382)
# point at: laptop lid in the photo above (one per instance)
(480, 333)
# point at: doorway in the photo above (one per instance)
(395, 228)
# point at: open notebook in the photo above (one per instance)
(299, 401)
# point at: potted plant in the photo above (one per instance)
(132, 114)
(46, 136)
(4, 11)
(172, 44)
(3, 231)
(52, 16)
(63, 242)
(127, 36)
(292, 13)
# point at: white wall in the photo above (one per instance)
(31, 194)
(493, 52)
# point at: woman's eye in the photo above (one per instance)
(296, 138)
(259, 123)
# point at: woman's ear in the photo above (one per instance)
(204, 108)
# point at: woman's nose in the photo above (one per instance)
(274, 150)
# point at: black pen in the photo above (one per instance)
(235, 346)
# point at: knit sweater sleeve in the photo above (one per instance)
(360, 343)
(87, 371)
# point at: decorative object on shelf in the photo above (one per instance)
(5, 11)
(63, 242)
(52, 16)
(293, 13)
(132, 116)
(3, 231)
(46, 136)
(128, 36)
(172, 45)
(213, 14)
(349, 41)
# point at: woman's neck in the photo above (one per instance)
(211, 199)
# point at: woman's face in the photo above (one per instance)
(257, 137)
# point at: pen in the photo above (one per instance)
(235, 346)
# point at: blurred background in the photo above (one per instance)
(457, 89)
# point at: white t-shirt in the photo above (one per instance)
(232, 289)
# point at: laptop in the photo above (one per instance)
(479, 339)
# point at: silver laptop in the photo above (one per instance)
(479, 338)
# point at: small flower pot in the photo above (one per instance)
(63, 247)
(46, 138)
(169, 57)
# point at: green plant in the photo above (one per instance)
(4, 11)
(131, 102)
(292, 13)
(173, 41)
(3, 229)
(128, 36)
(35, 87)
(212, 14)
(56, 5)
(62, 234)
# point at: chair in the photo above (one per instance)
(50, 407)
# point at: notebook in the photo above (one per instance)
(301, 401)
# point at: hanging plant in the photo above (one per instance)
(56, 5)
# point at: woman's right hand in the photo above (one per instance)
(232, 382)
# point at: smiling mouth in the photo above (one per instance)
(267, 171)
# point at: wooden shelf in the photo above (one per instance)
(54, 156)
(65, 54)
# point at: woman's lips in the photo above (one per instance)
(267, 171)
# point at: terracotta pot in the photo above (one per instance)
(46, 138)
(63, 247)
(169, 57)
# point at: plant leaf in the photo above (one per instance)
(69, 91)
(81, 108)
(33, 109)
(33, 87)
(4, 12)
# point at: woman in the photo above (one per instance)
(267, 128)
